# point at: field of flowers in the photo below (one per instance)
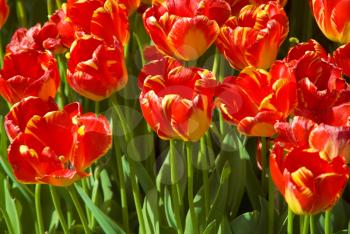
(174, 116)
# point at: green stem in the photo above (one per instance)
(174, 183)
(1, 52)
(123, 196)
(50, 8)
(136, 194)
(134, 184)
(312, 224)
(56, 203)
(39, 216)
(79, 209)
(190, 187)
(216, 62)
(290, 221)
(205, 175)
(21, 14)
(58, 4)
(264, 165)
(97, 107)
(271, 208)
(327, 222)
(306, 224)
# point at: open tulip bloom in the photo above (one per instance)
(57, 146)
(174, 116)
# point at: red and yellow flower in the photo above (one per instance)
(4, 12)
(57, 147)
(309, 183)
(254, 36)
(92, 16)
(185, 29)
(177, 102)
(321, 86)
(330, 141)
(96, 70)
(237, 5)
(332, 17)
(130, 5)
(256, 99)
(29, 73)
(57, 34)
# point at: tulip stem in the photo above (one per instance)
(56, 203)
(271, 209)
(190, 187)
(264, 165)
(327, 222)
(58, 4)
(21, 14)
(306, 224)
(312, 224)
(38, 208)
(134, 184)
(290, 221)
(77, 205)
(97, 107)
(205, 175)
(123, 196)
(174, 186)
(50, 8)
(216, 62)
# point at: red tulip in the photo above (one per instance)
(61, 29)
(320, 83)
(21, 112)
(333, 18)
(255, 100)
(295, 133)
(56, 148)
(92, 17)
(29, 73)
(177, 102)
(4, 12)
(237, 5)
(131, 5)
(308, 183)
(185, 29)
(329, 141)
(254, 37)
(95, 69)
(24, 39)
(342, 58)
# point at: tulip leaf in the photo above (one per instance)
(9, 208)
(169, 213)
(211, 228)
(246, 223)
(150, 212)
(106, 223)
(220, 202)
(233, 151)
(224, 227)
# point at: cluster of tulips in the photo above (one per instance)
(297, 106)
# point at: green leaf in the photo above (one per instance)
(9, 208)
(169, 213)
(235, 154)
(150, 212)
(211, 228)
(217, 209)
(106, 223)
(224, 227)
(246, 223)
